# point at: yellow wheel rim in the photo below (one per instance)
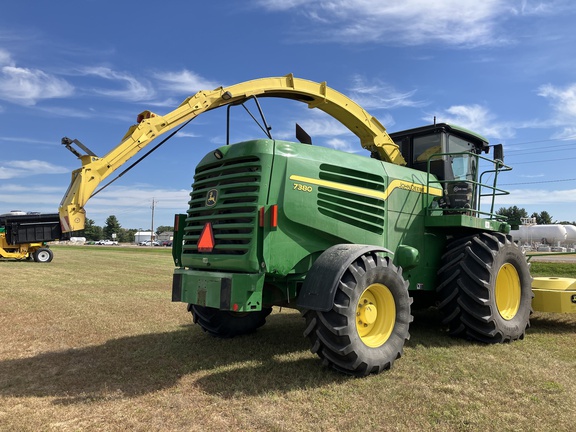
(508, 291)
(375, 315)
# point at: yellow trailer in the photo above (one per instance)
(39, 252)
(25, 236)
(554, 294)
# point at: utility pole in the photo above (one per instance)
(152, 225)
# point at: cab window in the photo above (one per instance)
(463, 166)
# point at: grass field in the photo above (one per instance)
(92, 342)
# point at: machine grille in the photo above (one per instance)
(348, 207)
(235, 185)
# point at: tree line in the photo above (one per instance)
(112, 226)
(515, 215)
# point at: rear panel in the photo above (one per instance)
(228, 193)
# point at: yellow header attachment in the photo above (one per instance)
(85, 180)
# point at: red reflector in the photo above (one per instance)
(274, 216)
(235, 307)
(176, 220)
(261, 217)
(206, 240)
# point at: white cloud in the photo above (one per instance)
(66, 112)
(563, 99)
(20, 189)
(475, 117)
(133, 89)
(532, 175)
(410, 22)
(5, 58)
(563, 103)
(30, 197)
(27, 86)
(32, 201)
(539, 7)
(330, 131)
(280, 5)
(184, 81)
(380, 95)
(342, 145)
(26, 140)
(323, 127)
(186, 135)
(130, 203)
(17, 169)
(138, 89)
(168, 102)
(537, 197)
(137, 196)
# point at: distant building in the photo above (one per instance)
(142, 236)
(165, 236)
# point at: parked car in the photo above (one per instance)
(106, 242)
(149, 243)
(167, 243)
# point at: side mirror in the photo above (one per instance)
(499, 152)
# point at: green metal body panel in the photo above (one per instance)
(321, 197)
(467, 221)
(214, 289)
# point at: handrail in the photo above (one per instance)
(477, 185)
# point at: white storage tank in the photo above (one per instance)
(570, 233)
(550, 234)
(14, 213)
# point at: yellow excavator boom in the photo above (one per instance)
(94, 170)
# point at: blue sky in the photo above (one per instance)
(85, 69)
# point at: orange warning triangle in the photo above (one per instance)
(206, 240)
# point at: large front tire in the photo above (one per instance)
(367, 327)
(226, 324)
(484, 289)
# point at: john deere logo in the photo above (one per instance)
(211, 197)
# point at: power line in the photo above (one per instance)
(545, 160)
(571, 137)
(538, 182)
(560, 147)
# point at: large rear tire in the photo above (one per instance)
(367, 327)
(484, 289)
(226, 324)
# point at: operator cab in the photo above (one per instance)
(450, 152)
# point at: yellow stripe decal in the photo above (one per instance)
(394, 184)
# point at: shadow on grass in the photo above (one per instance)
(552, 323)
(274, 359)
(271, 359)
(427, 330)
